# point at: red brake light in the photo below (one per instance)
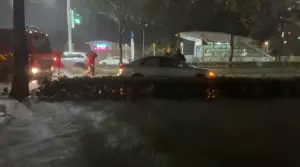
(120, 68)
(55, 58)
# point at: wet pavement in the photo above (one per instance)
(149, 133)
(47, 134)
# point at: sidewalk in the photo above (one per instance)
(13, 109)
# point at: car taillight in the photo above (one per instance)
(121, 69)
(55, 58)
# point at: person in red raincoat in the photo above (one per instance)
(57, 64)
(91, 63)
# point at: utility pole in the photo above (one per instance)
(143, 54)
(69, 20)
(144, 27)
(20, 87)
(120, 43)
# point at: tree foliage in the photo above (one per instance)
(175, 16)
(170, 14)
(122, 12)
(126, 13)
(242, 17)
(261, 19)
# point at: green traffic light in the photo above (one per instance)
(77, 21)
(76, 18)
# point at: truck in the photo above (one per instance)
(40, 53)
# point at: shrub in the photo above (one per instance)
(85, 88)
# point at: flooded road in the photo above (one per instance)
(47, 134)
(149, 133)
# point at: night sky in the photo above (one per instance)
(51, 18)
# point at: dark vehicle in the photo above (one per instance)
(40, 54)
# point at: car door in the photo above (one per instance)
(167, 67)
(67, 60)
(79, 58)
(149, 67)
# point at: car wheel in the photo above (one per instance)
(104, 64)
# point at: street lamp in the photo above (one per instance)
(267, 46)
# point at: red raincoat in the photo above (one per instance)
(57, 59)
(91, 59)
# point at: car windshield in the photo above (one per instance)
(41, 44)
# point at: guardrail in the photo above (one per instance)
(236, 65)
(247, 65)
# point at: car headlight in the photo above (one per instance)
(34, 70)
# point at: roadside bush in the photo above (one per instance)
(118, 88)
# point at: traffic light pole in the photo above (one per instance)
(69, 20)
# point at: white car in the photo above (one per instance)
(74, 59)
(162, 66)
(113, 61)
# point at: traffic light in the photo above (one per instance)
(73, 18)
(76, 18)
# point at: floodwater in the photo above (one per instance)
(149, 133)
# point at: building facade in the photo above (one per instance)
(215, 47)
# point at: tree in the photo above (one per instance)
(124, 12)
(168, 16)
(236, 17)
(193, 15)
(228, 21)
(257, 16)
(20, 87)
